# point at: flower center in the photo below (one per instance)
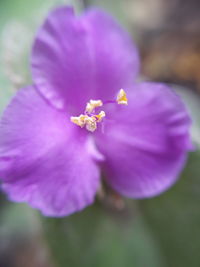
(90, 119)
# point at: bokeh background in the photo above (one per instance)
(159, 232)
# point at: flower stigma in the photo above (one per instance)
(89, 119)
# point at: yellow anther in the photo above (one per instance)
(92, 105)
(80, 120)
(90, 122)
(121, 98)
(100, 116)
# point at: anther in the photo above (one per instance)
(121, 98)
(90, 122)
(92, 105)
(80, 120)
(100, 116)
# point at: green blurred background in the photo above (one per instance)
(159, 232)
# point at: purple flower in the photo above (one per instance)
(52, 163)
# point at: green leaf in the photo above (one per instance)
(97, 238)
(174, 218)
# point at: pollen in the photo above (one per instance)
(90, 107)
(121, 98)
(80, 120)
(100, 116)
(89, 121)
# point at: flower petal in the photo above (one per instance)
(44, 159)
(75, 59)
(146, 141)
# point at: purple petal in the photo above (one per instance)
(146, 141)
(44, 159)
(75, 59)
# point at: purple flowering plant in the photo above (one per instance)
(86, 114)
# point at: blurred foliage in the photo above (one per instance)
(21, 243)
(174, 218)
(96, 237)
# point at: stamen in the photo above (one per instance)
(121, 98)
(100, 116)
(90, 122)
(90, 119)
(109, 102)
(80, 120)
(92, 105)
